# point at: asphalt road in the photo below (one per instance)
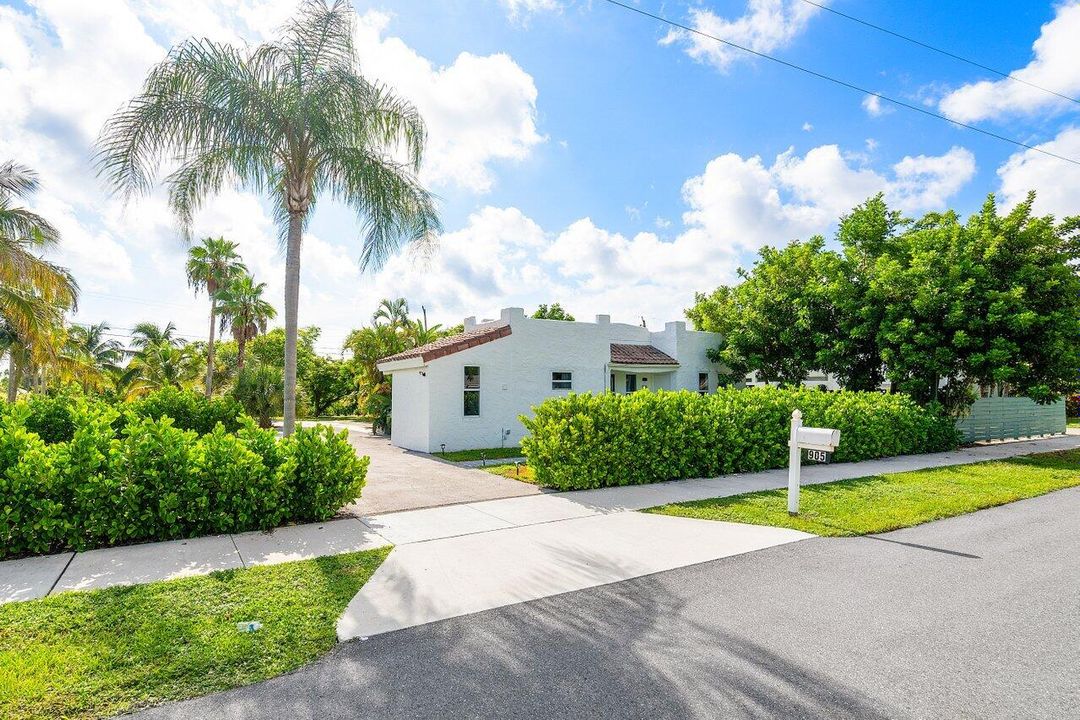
(977, 616)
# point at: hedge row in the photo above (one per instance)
(157, 481)
(51, 416)
(589, 441)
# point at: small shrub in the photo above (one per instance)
(588, 441)
(332, 473)
(260, 391)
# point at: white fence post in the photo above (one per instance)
(794, 464)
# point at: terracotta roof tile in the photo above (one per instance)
(452, 344)
(622, 354)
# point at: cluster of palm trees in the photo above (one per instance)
(236, 300)
(293, 119)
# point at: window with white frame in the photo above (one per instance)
(562, 381)
(703, 383)
(472, 390)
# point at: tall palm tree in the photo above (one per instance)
(294, 119)
(211, 265)
(244, 311)
(395, 312)
(34, 293)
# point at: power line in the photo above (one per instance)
(946, 53)
(842, 83)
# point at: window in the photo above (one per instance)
(631, 383)
(703, 383)
(472, 390)
(562, 381)
(612, 382)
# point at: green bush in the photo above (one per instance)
(589, 441)
(190, 410)
(158, 481)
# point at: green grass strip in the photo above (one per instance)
(99, 653)
(489, 453)
(889, 502)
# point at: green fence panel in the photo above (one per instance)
(1004, 418)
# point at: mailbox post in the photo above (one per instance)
(819, 441)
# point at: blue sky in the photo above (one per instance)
(582, 153)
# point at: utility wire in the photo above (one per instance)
(946, 53)
(843, 83)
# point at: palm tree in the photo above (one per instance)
(93, 353)
(34, 293)
(421, 334)
(394, 312)
(244, 311)
(145, 334)
(211, 264)
(161, 365)
(294, 119)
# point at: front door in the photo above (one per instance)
(631, 383)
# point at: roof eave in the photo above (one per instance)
(390, 366)
(644, 367)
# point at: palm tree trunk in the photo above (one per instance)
(292, 302)
(13, 377)
(241, 344)
(210, 348)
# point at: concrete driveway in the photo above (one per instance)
(405, 480)
(973, 617)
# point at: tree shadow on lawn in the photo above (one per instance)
(620, 650)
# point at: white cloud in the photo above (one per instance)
(519, 9)
(766, 25)
(873, 107)
(807, 127)
(1057, 182)
(479, 109)
(1055, 65)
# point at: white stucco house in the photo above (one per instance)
(467, 391)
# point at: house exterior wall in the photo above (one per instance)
(515, 375)
(410, 397)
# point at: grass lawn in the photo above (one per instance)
(98, 653)
(521, 472)
(888, 502)
(490, 453)
(1072, 422)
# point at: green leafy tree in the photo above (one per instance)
(553, 312)
(325, 382)
(244, 311)
(778, 319)
(937, 306)
(212, 264)
(293, 118)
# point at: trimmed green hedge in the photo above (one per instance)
(157, 481)
(589, 441)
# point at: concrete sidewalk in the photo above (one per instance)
(495, 519)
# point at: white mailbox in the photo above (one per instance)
(818, 438)
(819, 444)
